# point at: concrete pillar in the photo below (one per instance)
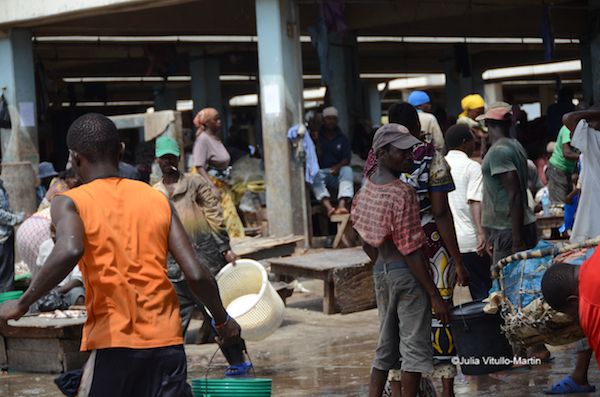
(458, 85)
(453, 89)
(546, 95)
(594, 61)
(344, 88)
(493, 93)
(587, 80)
(20, 154)
(17, 81)
(165, 98)
(280, 75)
(206, 86)
(373, 103)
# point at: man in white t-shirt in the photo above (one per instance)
(585, 136)
(429, 124)
(465, 204)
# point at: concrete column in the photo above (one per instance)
(164, 98)
(344, 88)
(457, 85)
(587, 80)
(453, 88)
(493, 93)
(546, 95)
(374, 103)
(17, 81)
(280, 75)
(206, 86)
(20, 154)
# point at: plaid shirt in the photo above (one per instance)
(8, 219)
(387, 211)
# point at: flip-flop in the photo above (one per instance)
(238, 370)
(568, 386)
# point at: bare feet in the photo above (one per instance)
(341, 211)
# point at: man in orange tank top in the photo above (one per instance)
(120, 231)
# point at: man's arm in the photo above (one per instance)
(570, 120)
(201, 281)
(64, 257)
(347, 152)
(419, 269)
(475, 209)
(510, 181)
(569, 153)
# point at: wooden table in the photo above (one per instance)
(346, 274)
(259, 248)
(36, 344)
(552, 222)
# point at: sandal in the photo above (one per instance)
(238, 370)
(567, 386)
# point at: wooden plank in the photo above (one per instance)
(248, 246)
(354, 288)
(329, 298)
(342, 222)
(287, 270)
(326, 260)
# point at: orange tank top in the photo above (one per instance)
(130, 301)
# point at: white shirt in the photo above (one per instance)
(468, 180)
(587, 140)
(44, 252)
(430, 125)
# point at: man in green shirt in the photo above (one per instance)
(509, 221)
(561, 166)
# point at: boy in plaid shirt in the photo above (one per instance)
(385, 213)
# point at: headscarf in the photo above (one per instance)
(203, 117)
(470, 102)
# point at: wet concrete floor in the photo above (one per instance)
(313, 354)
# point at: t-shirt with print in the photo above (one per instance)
(390, 211)
(587, 140)
(558, 159)
(504, 156)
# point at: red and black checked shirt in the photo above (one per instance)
(387, 211)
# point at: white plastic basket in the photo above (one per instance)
(259, 308)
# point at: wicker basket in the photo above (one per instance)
(536, 322)
(262, 309)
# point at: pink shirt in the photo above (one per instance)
(210, 151)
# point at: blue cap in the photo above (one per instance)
(46, 170)
(418, 98)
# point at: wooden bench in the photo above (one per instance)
(46, 345)
(259, 248)
(346, 274)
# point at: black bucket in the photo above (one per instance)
(481, 346)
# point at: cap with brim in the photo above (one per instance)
(46, 170)
(166, 145)
(497, 111)
(396, 135)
